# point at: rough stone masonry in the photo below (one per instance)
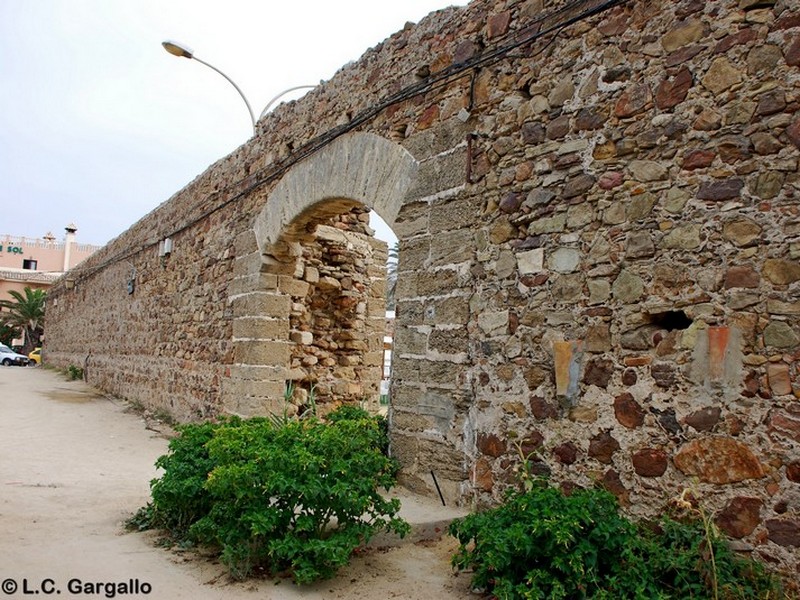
(597, 208)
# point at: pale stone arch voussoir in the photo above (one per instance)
(358, 167)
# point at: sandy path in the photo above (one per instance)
(74, 466)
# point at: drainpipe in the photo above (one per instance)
(69, 239)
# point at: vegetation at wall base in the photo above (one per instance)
(74, 372)
(296, 498)
(544, 544)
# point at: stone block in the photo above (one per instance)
(412, 422)
(441, 282)
(779, 379)
(304, 338)
(628, 287)
(410, 341)
(567, 358)
(784, 531)
(555, 224)
(257, 304)
(293, 287)
(684, 237)
(447, 311)
(261, 372)
(456, 213)
(647, 170)
(373, 359)
(441, 457)
(440, 173)
(718, 460)
(405, 368)
(438, 139)
(603, 446)
(247, 264)
(493, 323)
(439, 373)
(262, 353)
(650, 462)
(564, 260)
(266, 391)
(597, 338)
(740, 516)
(780, 334)
(405, 397)
(779, 307)
(415, 255)
(452, 247)
(781, 271)
(257, 282)
(628, 412)
(449, 341)
(245, 243)
(261, 328)
(410, 313)
(531, 261)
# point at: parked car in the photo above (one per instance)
(35, 357)
(9, 357)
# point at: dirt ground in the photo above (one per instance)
(74, 465)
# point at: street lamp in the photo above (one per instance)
(291, 89)
(177, 49)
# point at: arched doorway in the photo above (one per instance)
(302, 329)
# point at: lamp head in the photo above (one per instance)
(177, 49)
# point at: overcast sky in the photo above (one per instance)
(99, 125)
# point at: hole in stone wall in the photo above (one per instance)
(669, 320)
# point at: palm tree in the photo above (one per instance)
(7, 334)
(391, 275)
(27, 313)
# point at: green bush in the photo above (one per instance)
(543, 544)
(179, 497)
(295, 498)
(690, 559)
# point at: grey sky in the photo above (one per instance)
(99, 125)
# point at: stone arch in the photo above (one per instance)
(360, 167)
(355, 170)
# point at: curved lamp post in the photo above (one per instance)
(291, 89)
(177, 49)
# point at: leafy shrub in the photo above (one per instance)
(298, 497)
(356, 413)
(690, 559)
(179, 497)
(74, 372)
(543, 544)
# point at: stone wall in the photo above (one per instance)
(339, 329)
(599, 241)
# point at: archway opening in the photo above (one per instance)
(385, 233)
(334, 268)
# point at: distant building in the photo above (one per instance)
(37, 262)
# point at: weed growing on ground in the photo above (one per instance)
(295, 497)
(542, 543)
(74, 372)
